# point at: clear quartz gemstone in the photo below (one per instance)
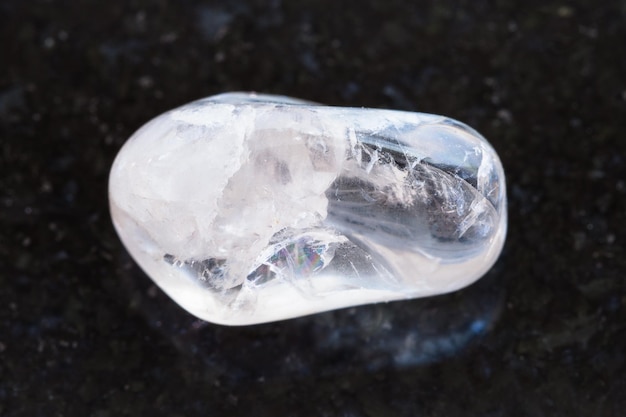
(250, 208)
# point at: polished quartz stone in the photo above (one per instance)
(250, 208)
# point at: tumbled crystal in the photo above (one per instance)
(250, 208)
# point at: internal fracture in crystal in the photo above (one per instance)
(250, 208)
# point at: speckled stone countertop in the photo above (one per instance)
(84, 333)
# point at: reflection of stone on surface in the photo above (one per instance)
(367, 339)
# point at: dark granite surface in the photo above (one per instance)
(84, 333)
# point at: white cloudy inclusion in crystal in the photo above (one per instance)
(252, 208)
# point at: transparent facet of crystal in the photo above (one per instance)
(250, 208)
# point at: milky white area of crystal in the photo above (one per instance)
(252, 208)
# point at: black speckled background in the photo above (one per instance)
(84, 333)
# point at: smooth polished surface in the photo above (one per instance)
(248, 208)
